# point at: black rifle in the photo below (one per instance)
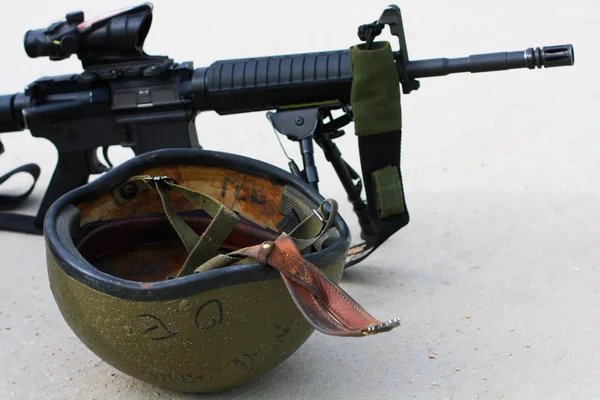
(126, 97)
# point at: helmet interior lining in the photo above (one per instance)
(129, 236)
(147, 249)
(254, 198)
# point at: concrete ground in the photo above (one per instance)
(496, 277)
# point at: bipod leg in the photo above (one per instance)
(308, 160)
(347, 177)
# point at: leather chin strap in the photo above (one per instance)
(325, 305)
(322, 302)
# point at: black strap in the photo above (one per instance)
(377, 152)
(359, 252)
(11, 202)
(19, 222)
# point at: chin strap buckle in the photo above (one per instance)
(157, 179)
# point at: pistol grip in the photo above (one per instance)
(71, 172)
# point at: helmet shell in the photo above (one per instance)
(205, 332)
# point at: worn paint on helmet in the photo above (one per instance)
(213, 340)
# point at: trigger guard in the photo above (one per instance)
(106, 158)
(95, 166)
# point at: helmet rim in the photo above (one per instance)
(62, 217)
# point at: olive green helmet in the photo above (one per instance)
(198, 271)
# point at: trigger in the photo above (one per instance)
(105, 155)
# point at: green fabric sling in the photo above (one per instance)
(375, 95)
(203, 250)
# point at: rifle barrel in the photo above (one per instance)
(266, 83)
(550, 56)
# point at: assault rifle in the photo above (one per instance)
(147, 102)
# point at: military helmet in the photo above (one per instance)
(198, 271)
